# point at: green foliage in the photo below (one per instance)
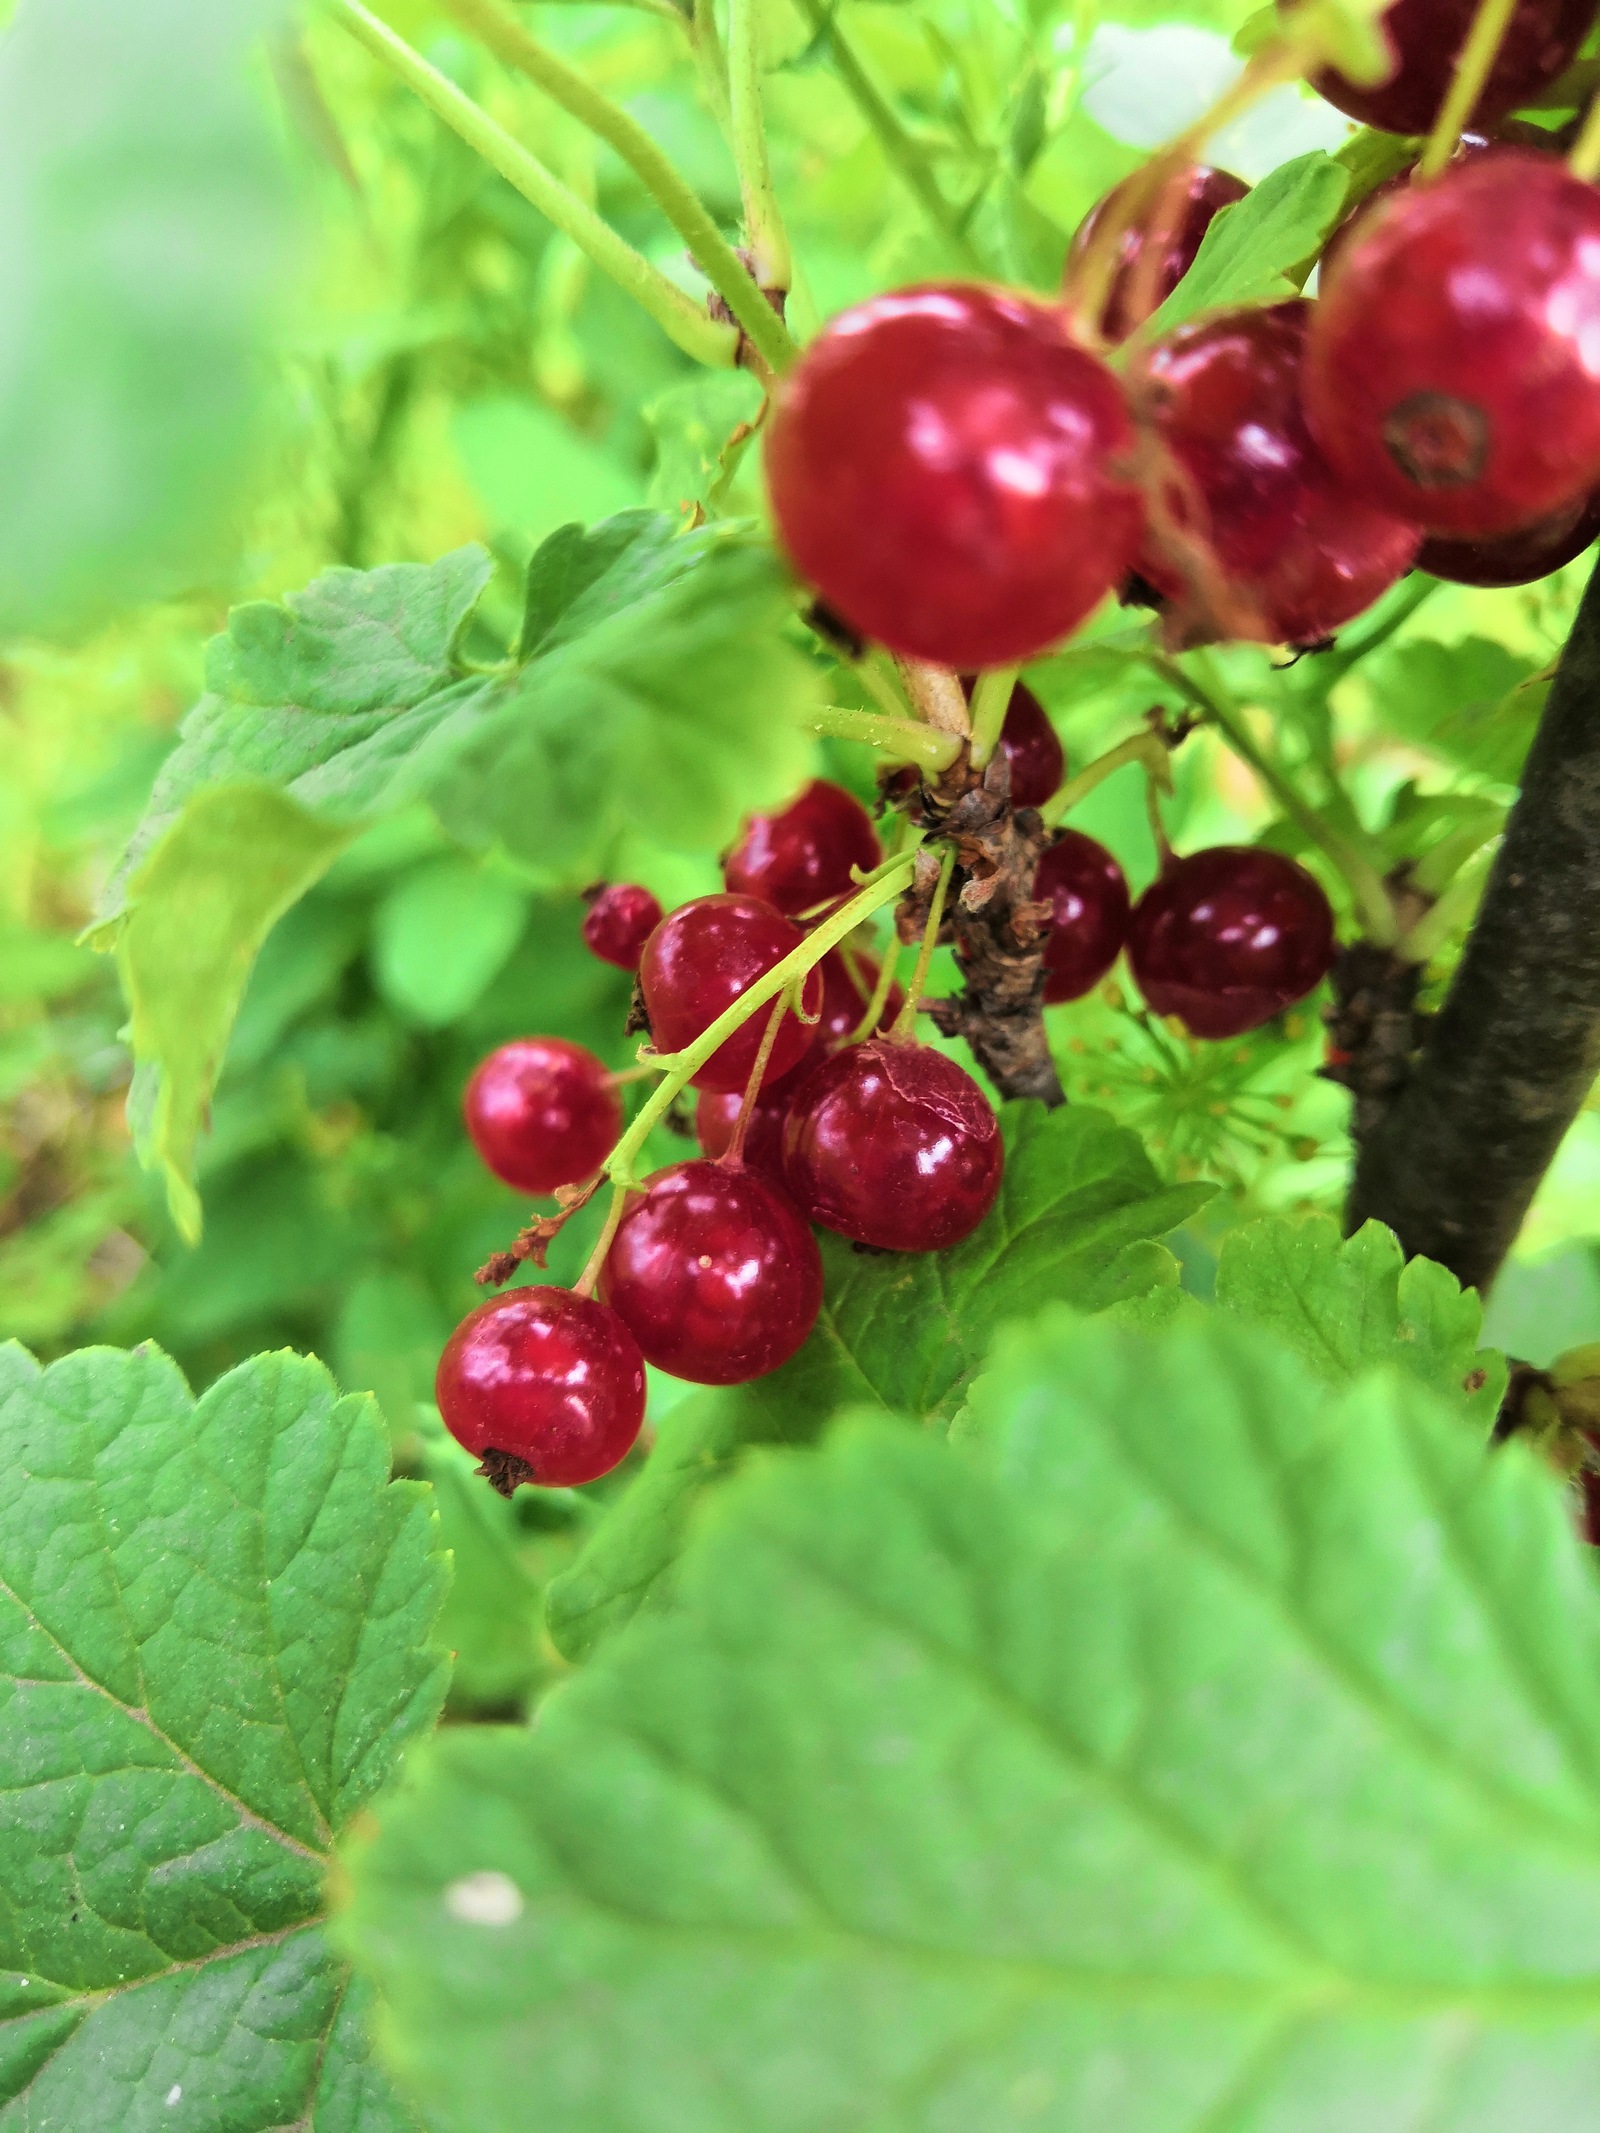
(216, 1624)
(1078, 1213)
(147, 214)
(1248, 253)
(1190, 1733)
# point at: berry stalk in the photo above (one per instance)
(1474, 65)
(495, 26)
(903, 740)
(763, 220)
(991, 699)
(680, 1068)
(684, 322)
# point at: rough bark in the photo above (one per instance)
(1506, 1065)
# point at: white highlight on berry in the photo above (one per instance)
(487, 1899)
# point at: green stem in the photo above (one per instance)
(1424, 940)
(898, 147)
(687, 1063)
(904, 739)
(1147, 748)
(991, 699)
(1365, 883)
(711, 61)
(880, 993)
(1584, 161)
(495, 26)
(1433, 873)
(763, 221)
(584, 1285)
(905, 1023)
(1473, 64)
(704, 338)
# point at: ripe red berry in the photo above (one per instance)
(544, 1386)
(893, 1145)
(846, 996)
(1426, 37)
(715, 1273)
(699, 960)
(716, 1114)
(1516, 558)
(946, 468)
(619, 922)
(1031, 746)
(802, 857)
(1179, 217)
(1088, 897)
(1229, 937)
(1452, 370)
(542, 1113)
(1286, 550)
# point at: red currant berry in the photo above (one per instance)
(1182, 215)
(1295, 553)
(542, 1113)
(619, 922)
(1088, 898)
(544, 1386)
(893, 1145)
(1516, 558)
(847, 989)
(1452, 371)
(1228, 938)
(945, 468)
(699, 960)
(716, 1115)
(1426, 37)
(1031, 746)
(714, 1273)
(801, 858)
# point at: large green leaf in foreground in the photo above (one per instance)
(1076, 1222)
(213, 1642)
(1188, 1745)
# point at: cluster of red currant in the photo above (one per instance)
(833, 1115)
(963, 475)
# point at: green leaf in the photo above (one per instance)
(441, 935)
(1347, 1305)
(1075, 1223)
(694, 424)
(197, 908)
(1195, 1748)
(1474, 702)
(663, 701)
(657, 697)
(147, 219)
(214, 1622)
(1250, 248)
(491, 1615)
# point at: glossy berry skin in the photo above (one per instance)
(1228, 938)
(1452, 370)
(1088, 897)
(716, 1114)
(948, 470)
(1516, 558)
(845, 999)
(542, 1113)
(699, 960)
(714, 1272)
(619, 922)
(544, 1377)
(1297, 551)
(802, 857)
(1181, 221)
(894, 1146)
(1030, 744)
(1426, 37)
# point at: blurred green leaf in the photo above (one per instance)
(440, 936)
(1076, 1221)
(1475, 702)
(144, 228)
(1193, 1746)
(216, 1620)
(693, 425)
(197, 908)
(1248, 251)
